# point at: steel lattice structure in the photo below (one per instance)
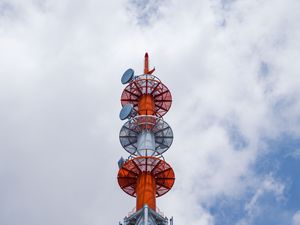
(135, 127)
(148, 85)
(132, 169)
(145, 136)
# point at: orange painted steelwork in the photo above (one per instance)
(146, 177)
(146, 65)
(147, 94)
(132, 169)
(145, 191)
(146, 187)
(146, 105)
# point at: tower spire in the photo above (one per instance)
(146, 65)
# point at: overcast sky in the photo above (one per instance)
(232, 68)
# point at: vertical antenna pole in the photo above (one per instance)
(146, 64)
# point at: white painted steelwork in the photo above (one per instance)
(146, 216)
(146, 143)
(146, 135)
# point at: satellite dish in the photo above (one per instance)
(127, 76)
(126, 111)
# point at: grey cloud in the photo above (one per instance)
(60, 89)
(145, 11)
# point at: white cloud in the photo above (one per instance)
(61, 63)
(295, 154)
(254, 207)
(145, 12)
(296, 218)
(267, 185)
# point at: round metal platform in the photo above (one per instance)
(131, 170)
(146, 129)
(148, 84)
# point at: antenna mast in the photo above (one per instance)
(145, 136)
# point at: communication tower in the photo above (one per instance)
(145, 135)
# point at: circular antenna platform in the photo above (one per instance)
(126, 111)
(127, 76)
(161, 171)
(144, 85)
(146, 135)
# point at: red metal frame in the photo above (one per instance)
(147, 85)
(161, 171)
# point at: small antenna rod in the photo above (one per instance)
(146, 65)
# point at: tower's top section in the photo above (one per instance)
(145, 93)
(146, 67)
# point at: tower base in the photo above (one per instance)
(146, 216)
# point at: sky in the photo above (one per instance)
(232, 67)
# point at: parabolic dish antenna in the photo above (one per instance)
(126, 111)
(127, 76)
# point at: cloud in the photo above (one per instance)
(145, 12)
(230, 65)
(295, 154)
(254, 208)
(296, 218)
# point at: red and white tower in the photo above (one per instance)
(145, 136)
